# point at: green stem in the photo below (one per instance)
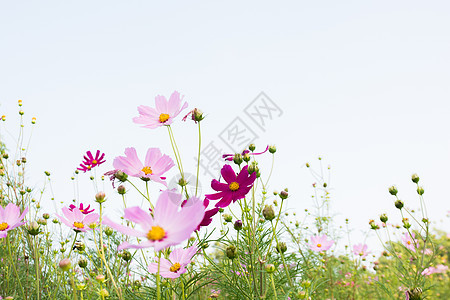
(198, 157)
(273, 286)
(36, 262)
(158, 278)
(14, 267)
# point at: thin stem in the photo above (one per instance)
(198, 157)
(158, 278)
(14, 267)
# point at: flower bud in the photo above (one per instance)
(270, 268)
(237, 159)
(121, 190)
(100, 197)
(414, 294)
(231, 252)
(3, 118)
(47, 173)
(104, 293)
(21, 112)
(281, 247)
(100, 278)
(55, 221)
(121, 176)
(399, 204)
(46, 216)
(268, 213)
(42, 222)
(82, 263)
(415, 178)
(284, 195)
(238, 225)
(19, 102)
(221, 210)
(197, 115)
(5, 155)
(137, 284)
(301, 295)
(109, 231)
(383, 218)
(126, 255)
(227, 218)
(393, 190)
(33, 120)
(65, 264)
(246, 157)
(272, 149)
(182, 182)
(306, 283)
(33, 228)
(420, 190)
(252, 147)
(80, 246)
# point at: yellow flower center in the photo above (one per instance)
(175, 267)
(234, 186)
(147, 170)
(319, 245)
(156, 233)
(163, 118)
(94, 162)
(78, 225)
(408, 242)
(3, 226)
(82, 210)
(88, 167)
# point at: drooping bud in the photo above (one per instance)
(252, 147)
(272, 149)
(399, 204)
(238, 225)
(100, 197)
(383, 218)
(393, 190)
(270, 268)
(231, 252)
(268, 212)
(65, 264)
(415, 178)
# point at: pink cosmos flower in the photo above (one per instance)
(168, 226)
(163, 113)
(410, 243)
(229, 157)
(76, 220)
(90, 161)
(432, 270)
(235, 188)
(10, 218)
(176, 264)
(155, 164)
(320, 243)
(84, 210)
(360, 250)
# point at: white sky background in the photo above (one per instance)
(363, 84)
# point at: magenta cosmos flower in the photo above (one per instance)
(163, 113)
(209, 214)
(320, 243)
(168, 226)
(154, 166)
(176, 264)
(76, 220)
(10, 218)
(90, 161)
(235, 188)
(84, 210)
(409, 242)
(360, 250)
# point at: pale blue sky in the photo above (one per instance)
(365, 84)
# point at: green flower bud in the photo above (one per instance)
(393, 190)
(231, 252)
(100, 278)
(237, 159)
(79, 246)
(46, 216)
(272, 149)
(415, 178)
(121, 176)
(399, 204)
(33, 228)
(126, 255)
(420, 190)
(109, 231)
(252, 147)
(82, 263)
(47, 173)
(104, 292)
(268, 213)
(227, 218)
(100, 197)
(121, 190)
(221, 210)
(270, 268)
(246, 157)
(281, 247)
(383, 218)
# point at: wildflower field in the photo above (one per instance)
(234, 239)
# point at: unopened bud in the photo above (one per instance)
(420, 190)
(281, 247)
(383, 218)
(82, 263)
(227, 218)
(268, 213)
(121, 190)
(284, 195)
(231, 252)
(272, 149)
(104, 293)
(109, 231)
(65, 264)
(33, 120)
(246, 157)
(393, 190)
(121, 176)
(126, 255)
(33, 228)
(197, 115)
(21, 112)
(46, 216)
(415, 178)
(237, 159)
(399, 204)
(100, 278)
(252, 147)
(270, 268)
(100, 197)
(238, 225)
